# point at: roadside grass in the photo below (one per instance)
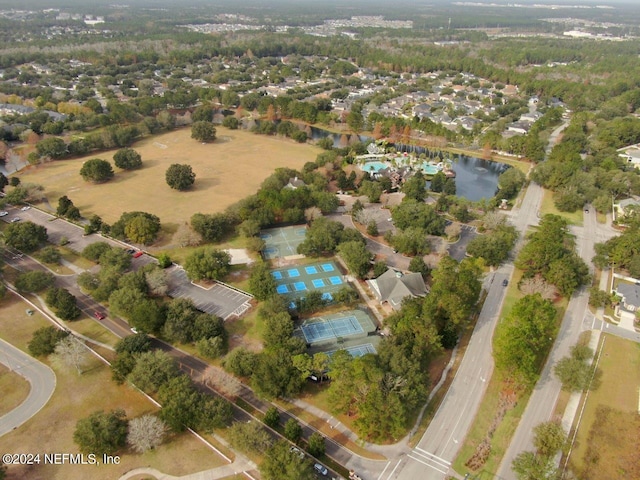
(610, 450)
(490, 404)
(89, 327)
(246, 331)
(227, 170)
(548, 207)
(14, 389)
(77, 396)
(76, 259)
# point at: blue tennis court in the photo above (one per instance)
(358, 350)
(335, 280)
(301, 232)
(277, 275)
(318, 282)
(282, 289)
(265, 236)
(327, 267)
(299, 286)
(324, 277)
(339, 327)
(293, 273)
(311, 270)
(282, 242)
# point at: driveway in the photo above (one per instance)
(40, 377)
(458, 250)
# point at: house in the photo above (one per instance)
(392, 287)
(629, 294)
(519, 127)
(294, 183)
(631, 154)
(625, 207)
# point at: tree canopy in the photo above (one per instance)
(96, 170)
(180, 176)
(25, 236)
(203, 131)
(127, 159)
(207, 263)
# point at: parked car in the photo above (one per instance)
(4, 214)
(137, 254)
(134, 330)
(321, 469)
(99, 315)
(297, 451)
(15, 219)
(25, 208)
(505, 282)
(131, 251)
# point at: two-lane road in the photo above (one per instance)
(40, 377)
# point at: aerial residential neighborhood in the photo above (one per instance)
(309, 240)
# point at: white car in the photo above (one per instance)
(4, 214)
(25, 208)
(134, 330)
(15, 219)
(321, 469)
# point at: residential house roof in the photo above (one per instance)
(294, 183)
(393, 287)
(630, 294)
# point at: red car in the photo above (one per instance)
(137, 254)
(99, 315)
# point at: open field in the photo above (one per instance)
(75, 397)
(547, 206)
(226, 171)
(14, 390)
(607, 442)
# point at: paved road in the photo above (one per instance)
(543, 399)
(40, 377)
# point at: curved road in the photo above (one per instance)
(41, 378)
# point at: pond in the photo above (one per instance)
(475, 178)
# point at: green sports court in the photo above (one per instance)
(283, 241)
(335, 328)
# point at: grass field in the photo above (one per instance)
(14, 390)
(75, 397)
(607, 442)
(226, 171)
(547, 206)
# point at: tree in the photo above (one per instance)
(207, 263)
(261, 282)
(527, 466)
(275, 376)
(153, 369)
(52, 147)
(127, 159)
(357, 257)
(156, 282)
(138, 343)
(34, 281)
(415, 188)
(101, 433)
(180, 177)
(574, 371)
(272, 417)
(292, 430)
(63, 303)
(204, 113)
(185, 236)
(280, 463)
(524, 338)
(72, 352)
(249, 437)
(50, 255)
(317, 445)
(437, 182)
(141, 229)
(418, 265)
(44, 341)
(146, 433)
(549, 438)
(510, 182)
(94, 251)
(96, 170)
(203, 131)
(241, 362)
(64, 204)
(25, 236)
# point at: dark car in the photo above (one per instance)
(505, 282)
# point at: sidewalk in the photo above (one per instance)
(239, 466)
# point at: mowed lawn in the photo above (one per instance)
(227, 170)
(609, 435)
(76, 396)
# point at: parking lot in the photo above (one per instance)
(219, 300)
(458, 250)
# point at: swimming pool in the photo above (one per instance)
(374, 166)
(430, 169)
